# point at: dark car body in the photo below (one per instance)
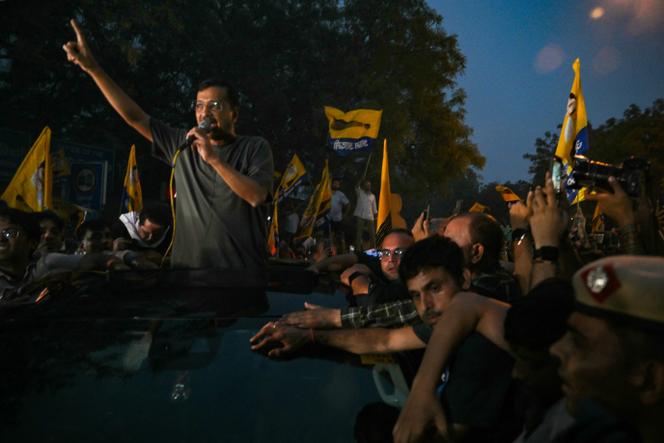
(170, 362)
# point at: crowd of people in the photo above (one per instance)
(533, 346)
(519, 339)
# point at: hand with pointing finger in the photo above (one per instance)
(78, 52)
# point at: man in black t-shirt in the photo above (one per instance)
(223, 181)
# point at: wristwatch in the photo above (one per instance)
(353, 276)
(546, 253)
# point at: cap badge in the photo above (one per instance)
(601, 282)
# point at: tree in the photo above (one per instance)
(540, 161)
(288, 59)
(638, 133)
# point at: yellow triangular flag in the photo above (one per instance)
(31, 187)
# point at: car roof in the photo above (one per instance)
(173, 364)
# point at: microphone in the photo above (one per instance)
(205, 125)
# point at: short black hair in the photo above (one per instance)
(158, 214)
(486, 230)
(50, 215)
(539, 319)
(432, 252)
(25, 220)
(231, 93)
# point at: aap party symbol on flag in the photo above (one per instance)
(352, 131)
(573, 139)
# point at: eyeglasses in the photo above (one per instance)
(387, 253)
(10, 233)
(213, 105)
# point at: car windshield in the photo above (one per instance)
(172, 365)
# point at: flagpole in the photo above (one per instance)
(366, 167)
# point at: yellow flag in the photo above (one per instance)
(319, 205)
(507, 194)
(384, 220)
(574, 133)
(597, 224)
(478, 208)
(291, 177)
(352, 131)
(133, 195)
(31, 187)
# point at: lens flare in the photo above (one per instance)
(597, 13)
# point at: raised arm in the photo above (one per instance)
(79, 53)
(547, 225)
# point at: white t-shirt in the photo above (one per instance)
(339, 199)
(366, 204)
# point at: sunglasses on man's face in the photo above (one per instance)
(386, 253)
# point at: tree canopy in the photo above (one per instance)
(288, 59)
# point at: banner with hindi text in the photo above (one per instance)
(352, 131)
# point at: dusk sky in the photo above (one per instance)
(519, 58)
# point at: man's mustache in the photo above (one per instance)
(432, 313)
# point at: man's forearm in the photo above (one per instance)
(397, 313)
(358, 341)
(243, 186)
(523, 261)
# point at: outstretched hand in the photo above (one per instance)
(314, 317)
(286, 338)
(78, 52)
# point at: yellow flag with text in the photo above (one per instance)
(31, 187)
(352, 131)
(384, 220)
(133, 195)
(574, 133)
(319, 205)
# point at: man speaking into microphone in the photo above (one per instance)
(223, 180)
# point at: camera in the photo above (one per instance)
(595, 174)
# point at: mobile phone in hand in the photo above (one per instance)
(427, 213)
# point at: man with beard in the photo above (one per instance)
(476, 387)
(223, 180)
